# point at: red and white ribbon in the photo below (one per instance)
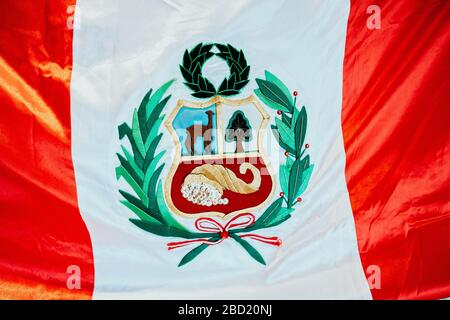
(212, 226)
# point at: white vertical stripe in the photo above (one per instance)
(124, 47)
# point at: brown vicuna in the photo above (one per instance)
(202, 131)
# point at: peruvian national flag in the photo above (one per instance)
(224, 149)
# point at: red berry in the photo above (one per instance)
(295, 93)
(281, 194)
(279, 112)
(286, 154)
(307, 145)
(299, 199)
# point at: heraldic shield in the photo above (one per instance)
(219, 166)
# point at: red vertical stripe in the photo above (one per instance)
(396, 126)
(41, 230)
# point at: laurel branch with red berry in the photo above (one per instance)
(290, 132)
(140, 170)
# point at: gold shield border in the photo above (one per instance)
(218, 100)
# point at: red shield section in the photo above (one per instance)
(236, 201)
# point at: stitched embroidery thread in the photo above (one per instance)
(220, 170)
(193, 61)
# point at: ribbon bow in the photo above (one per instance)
(242, 220)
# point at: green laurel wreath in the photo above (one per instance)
(140, 169)
(194, 60)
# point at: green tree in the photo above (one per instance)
(238, 130)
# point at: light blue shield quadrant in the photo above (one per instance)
(187, 117)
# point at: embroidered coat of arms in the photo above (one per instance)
(220, 174)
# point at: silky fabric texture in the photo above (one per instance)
(137, 45)
(395, 123)
(396, 127)
(41, 230)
